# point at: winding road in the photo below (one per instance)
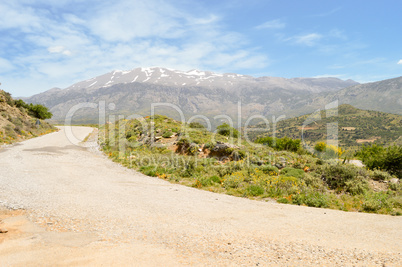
(81, 209)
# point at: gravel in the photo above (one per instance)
(73, 188)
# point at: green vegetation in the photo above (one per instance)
(226, 130)
(377, 157)
(162, 147)
(355, 127)
(284, 143)
(37, 111)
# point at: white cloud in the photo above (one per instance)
(59, 50)
(121, 35)
(272, 24)
(400, 62)
(307, 39)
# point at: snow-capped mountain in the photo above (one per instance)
(227, 81)
(196, 92)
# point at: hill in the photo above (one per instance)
(355, 127)
(194, 92)
(19, 121)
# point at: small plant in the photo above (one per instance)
(234, 180)
(254, 190)
(167, 134)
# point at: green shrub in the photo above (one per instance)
(288, 171)
(284, 143)
(196, 125)
(320, 147)
(378, 175)
(269, 169)
(374, 202)
(312, 199)
(167, 134)
(336, 176)
(283, 200)
(233, 181)
(149, 170)
(39, 111)
(226, 130)
(312, 180)
(357, 186)
(206, 181)
(215, 179)
(254, 190)
(377, 157)
(392, 161)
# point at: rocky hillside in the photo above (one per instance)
(17, 122)
(194, 92)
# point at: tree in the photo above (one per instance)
(226, 130)
(39, 111)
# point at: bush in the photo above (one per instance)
(337, 175)
(196, 125)
(269, 169)
(314, 199)
(357, 186)
(313, 181)
(226, 130)
(377, 157)
(392, 161)
(374, 202)
(39, 111)
(284, 143)
(254, 190)
(167, 134)
(378, 175)
(233, 181)
(215, 179)
(288, 171)
(320, 147)
(149, 170)
(327, 151)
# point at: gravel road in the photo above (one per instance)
(83, 209)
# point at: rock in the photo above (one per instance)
(282, 159)
(3, 231)
(394, 181)
(279, 165)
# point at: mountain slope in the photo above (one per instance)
(383, 96)
(194, 92)
(355, 127)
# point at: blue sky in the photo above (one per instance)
(46, 44)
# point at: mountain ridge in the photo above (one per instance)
(194, 91)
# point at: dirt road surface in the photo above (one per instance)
(67, 205)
